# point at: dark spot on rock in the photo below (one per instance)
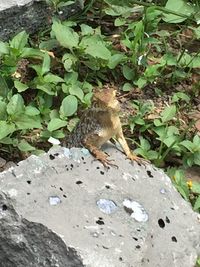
(28, 182)
(138, 230)
(84, 162)
(128, 210)
(105, 247)
(151, 236)
(35, 201)
(120, 259)
(51, 157)
(87, 170)
(102, 173)
(161, 223)
(107, 187)
(172, 208)
(56, 154)
(133, 179)
(138, 246)
(28, 193)
(174, 239)
(61, 189)
(4, 207)
(65, 196)
(100, 221)
(67, 169)
(149, 174)
(77, 226)
(71, 165)
(82, 158)
(167, 220)
(135, 238)
(53, 186)
(79, 182)
(98, 168)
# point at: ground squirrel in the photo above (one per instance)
(99, 124)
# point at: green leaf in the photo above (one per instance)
(69, 106)
(197, 203)
(141, 82)
(187, 144)
(119, 22)
(32, 53)
(180, 96)
(19, 41)
(55, 124)
(47, 88)
(86, 30)
(51, 78)
(128, 72)
(46, 64)
(4, 87)
(127, 87)
(3, 113)
(95, 47)
(6, 129)
(196, 187)
(25, 146)
(66, 36)
(77, 91)
(179, 6)
(21, 87)
(16, 105)
(28, 122)
(115, 60)
(3, 48)
(168, 113)
(31, 111)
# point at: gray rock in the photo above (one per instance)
(29, 15)
(130, 216)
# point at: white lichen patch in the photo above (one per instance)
(136, 210)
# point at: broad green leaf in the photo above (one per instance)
(32, 53)
(65, 35)
(180, 96)
(3, 113)
(187, 144)
(86, 30)
(3, 48)
(47, 88)
(25, 146)
(69, 106)
(51, 78)
(145, 145)
(196, 156)
(58, 134)
(46, 64)
(196, 30)
(31, 111)
(119, 22)
(141, 82)
(197, 204)
(21, 87)
(48, 45)
(3, 87)
(19, 41)
(168, 113)
(6, 129)
(127, 87)
(196, 187)
(28, 122)
(77, 91)
(179, 6)
(128, 72)
(115, 60)
(55, 124)
(16, 105)
(95, 47)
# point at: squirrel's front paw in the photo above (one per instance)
(139, 160)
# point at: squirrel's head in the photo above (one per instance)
(105, 97)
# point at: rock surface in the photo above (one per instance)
(64, 209)
(29, 15)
